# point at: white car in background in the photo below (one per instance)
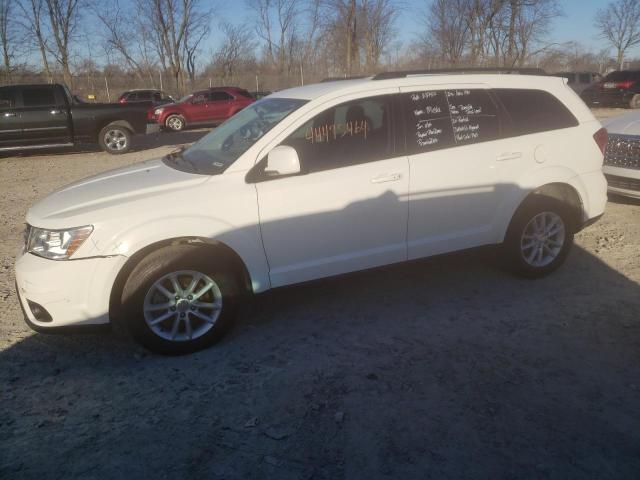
(622, 156)
(313, 182)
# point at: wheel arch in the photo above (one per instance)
(565, 192)
(221, 250)
(115, 122)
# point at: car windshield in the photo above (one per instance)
(185, 98)
(216, 151)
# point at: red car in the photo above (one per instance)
(210, 106)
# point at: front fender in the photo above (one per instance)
(245, 241)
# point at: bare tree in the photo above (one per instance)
(235, 50)
(7, 36)
(276, 26)
(63, 16)
(619, 24)
(447, 27)
(177, 28)
(33, 13)
(378, 20)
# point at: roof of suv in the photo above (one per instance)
(316, 90)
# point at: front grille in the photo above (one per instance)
(623, 151)
(623, 182)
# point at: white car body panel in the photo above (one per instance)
(305, 227)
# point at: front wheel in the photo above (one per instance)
(178, 300)
(115, 139)
(539, 237)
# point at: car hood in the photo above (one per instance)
(628, 124)
(109, 195)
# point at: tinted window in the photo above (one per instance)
(199, 98)
(585, 78)
(131, 96)
(144, 95)
(156, 96)
(7, 98)
(38, 97)
(621, 76)
(350, 133)
(534, 111)
(439, 119)
(219, 96)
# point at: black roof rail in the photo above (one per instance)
(339, 79)
(459, 71)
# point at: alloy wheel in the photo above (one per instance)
(182, 306)
(543, 239)
(115, 139)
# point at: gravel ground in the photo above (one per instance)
(445, 368)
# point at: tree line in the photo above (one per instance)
(186, 41)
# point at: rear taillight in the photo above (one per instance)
(601, 137)
(625, 84)
(123, 100)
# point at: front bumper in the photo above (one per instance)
(623, 181)
(73, 292)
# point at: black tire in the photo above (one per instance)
(175, 123)
(115, 139)
(635, 101)
(512, 254)
(158, 264)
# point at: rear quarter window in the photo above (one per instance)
(533, 111)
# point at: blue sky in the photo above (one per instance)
(575, 25)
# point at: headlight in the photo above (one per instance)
(57, 244)
(158, 111)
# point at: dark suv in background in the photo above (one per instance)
(617, 89)
(155, 97)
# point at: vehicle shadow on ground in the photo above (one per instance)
(443, 368)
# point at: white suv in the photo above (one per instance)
(313, 182)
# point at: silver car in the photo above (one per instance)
(622, 157)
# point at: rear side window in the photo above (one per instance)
(534, 111)
(439, 119)
(132, 96)
(347, 134)
(38, 97)
(585, 78)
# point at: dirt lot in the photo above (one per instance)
(446, 368)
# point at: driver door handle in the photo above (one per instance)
(9, 114)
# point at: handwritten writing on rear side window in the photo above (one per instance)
(446, 118)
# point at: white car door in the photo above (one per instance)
(453, 147)
(347, 209)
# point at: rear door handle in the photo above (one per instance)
(392, 177)
(9, 114)
(509, 156)
(55, 112)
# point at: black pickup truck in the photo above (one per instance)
(48, 116)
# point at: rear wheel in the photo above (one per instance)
(115, 139)
(635, 101)
(178, 300)
(539, 237)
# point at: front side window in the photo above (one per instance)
(438, 119)
(347, 134)
(217, 150)
(38, 97)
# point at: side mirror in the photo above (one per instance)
(282, 160)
